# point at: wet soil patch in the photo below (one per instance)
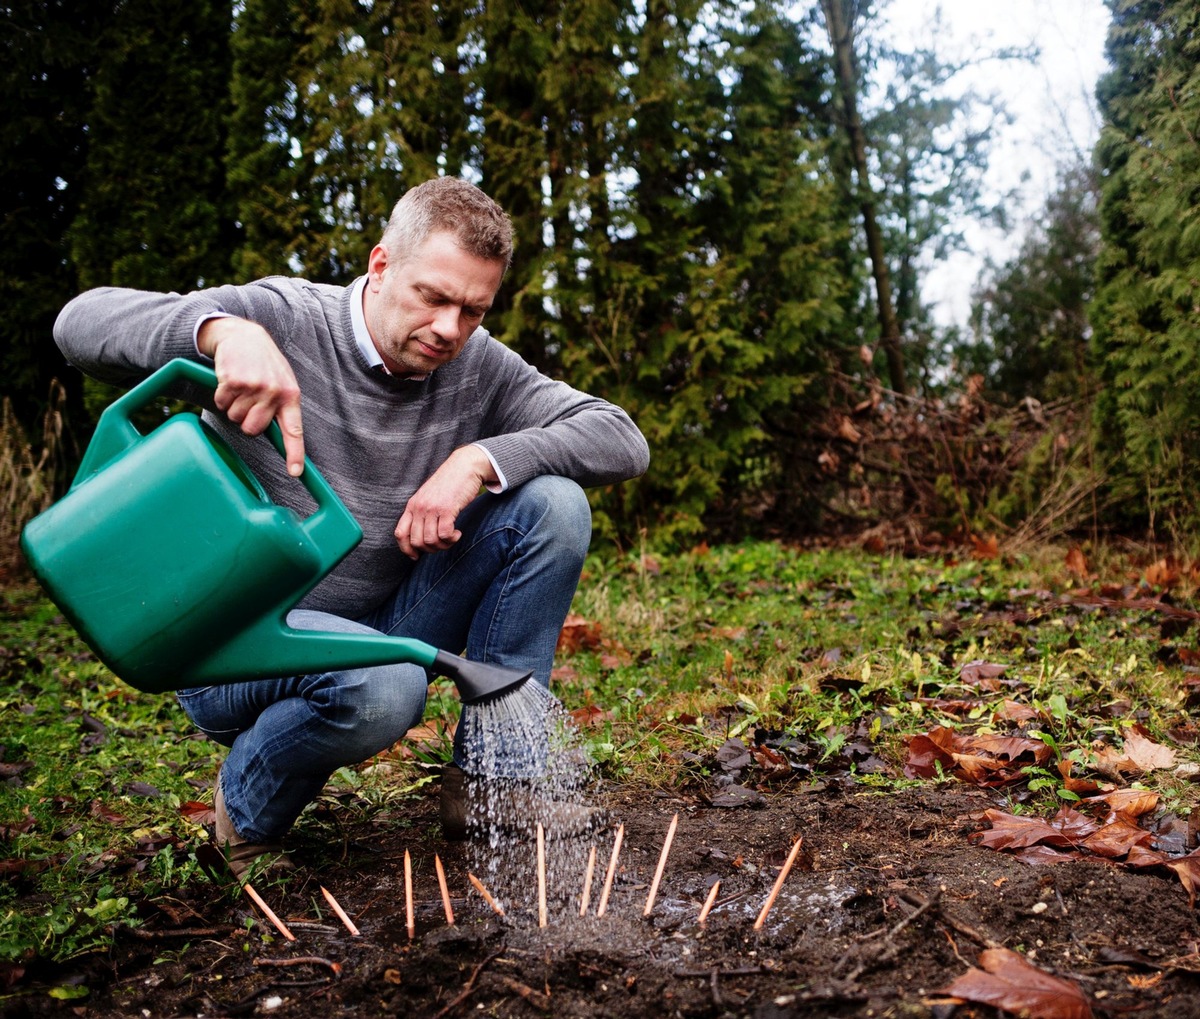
(887, 905)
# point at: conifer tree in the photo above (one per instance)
(154, 213)
(1147, 335)
(48, 49)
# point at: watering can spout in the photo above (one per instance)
(479, 682)
(271, 647)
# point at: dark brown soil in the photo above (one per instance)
(888, 904)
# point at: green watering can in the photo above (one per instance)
(172, 563)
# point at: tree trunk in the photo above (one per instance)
(839, 23)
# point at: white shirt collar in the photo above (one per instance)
(362, 335)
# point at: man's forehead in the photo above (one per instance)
(440, 263)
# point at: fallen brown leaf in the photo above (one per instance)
(985, 760)
(987, 547)
(974, 672)
(1188, 869)
(1145, 754)
(1069, 828)
(578, 634)
(1076, 563)
(1131, 802)
(1009, 982)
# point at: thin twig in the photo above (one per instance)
(783, 873)
(612, 869)
(487, 896)
(662, 863)
(541, 874)
(537, 999)
(586, 895)
(408, 897)
(267, 911)
(303, 960)
(441, 876)
(341, 913)
(469, 986)
(708, 903)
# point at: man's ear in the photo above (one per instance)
(377, 264)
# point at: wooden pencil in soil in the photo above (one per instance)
(783, 873)
(612, 870)
(341, 913)
(267, 911)
(441, 876)
(708, 903)
(586, 896)
(662, 863)
(541, 874)
(487, 896)
(408, 896)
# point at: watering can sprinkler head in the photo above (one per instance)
(478, 682)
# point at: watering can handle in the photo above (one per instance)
(115, 433)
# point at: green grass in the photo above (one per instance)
(833, 658)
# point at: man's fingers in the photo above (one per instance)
(402, 532)
(293, 438)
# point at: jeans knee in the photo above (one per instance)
(564, 512)
(374, 707)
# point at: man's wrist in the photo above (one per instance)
(494, 481)
(203, 338)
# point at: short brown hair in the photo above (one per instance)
(478, 224)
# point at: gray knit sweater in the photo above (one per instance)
(375, 438)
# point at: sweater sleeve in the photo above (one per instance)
(122, 336)
(536, 425)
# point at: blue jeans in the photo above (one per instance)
(501, 593)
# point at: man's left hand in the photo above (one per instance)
(428, 522)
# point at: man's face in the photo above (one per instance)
(421, 311)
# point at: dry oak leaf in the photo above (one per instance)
(1117, 838)
(1080, 786)
(1164, 573)
(1130, 802)
(578, 634)
(978, 671)
(987, 547)
(1009, 982)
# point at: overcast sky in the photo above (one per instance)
(1052, 103)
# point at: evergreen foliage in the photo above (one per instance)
(153, 213)
(1147, 336)
(48, 52)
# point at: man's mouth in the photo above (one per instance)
(432, 352)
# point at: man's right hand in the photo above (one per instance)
(255, 383)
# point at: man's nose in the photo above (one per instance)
(447, 322)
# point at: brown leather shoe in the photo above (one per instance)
(245, 859)
(452, 808)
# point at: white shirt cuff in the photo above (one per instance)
(502, 485)
(196, 329)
